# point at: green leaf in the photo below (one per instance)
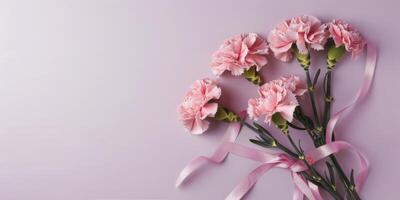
(300, 148)
(264, 133)
(331, 173)
(304, 119)
(261, 128)
(352, 177)
(261, 143)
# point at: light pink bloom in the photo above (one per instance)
(239, 53)
(196, 106)
(344, 34)
(303, 31)
(275, 97)
(295, 84)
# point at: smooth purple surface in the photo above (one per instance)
(88, 95)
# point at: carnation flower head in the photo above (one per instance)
(304, 31)
(295, 84)
(277, 96)
(197, 105)
(239, 53)
(343, 34)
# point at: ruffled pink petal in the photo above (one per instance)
(208, 110)
(344, 34)
(286, 111)
(277, 96)
(287, 106)
(296, 85)
(305, 31)
(258, 60)
(195, 108)
(240, 53)
(252, 109)
(301, 45)
(199, 126)
(284, 57)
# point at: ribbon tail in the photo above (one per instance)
(315, 190)
(192, 167)
(248, 182)
(217, 158)
(297, 194)
(302, 186)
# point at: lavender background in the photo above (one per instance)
(88, 92)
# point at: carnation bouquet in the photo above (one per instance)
(277, 107)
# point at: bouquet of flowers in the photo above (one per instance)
(278, 105)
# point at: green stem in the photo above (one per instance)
(328, 98)
(350, 189)
(327, 186)
(312, 98)
(315, 176)
(295, 127)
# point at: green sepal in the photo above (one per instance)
(334, 55)
(280, 122)
(226, 115)
(303, 59)
(252, 75)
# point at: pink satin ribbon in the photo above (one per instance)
(216, 158)
(283, 161)
(270, 160)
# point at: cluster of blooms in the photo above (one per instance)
(277, 101)
(307, 31)
(242, 52)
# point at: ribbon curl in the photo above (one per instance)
(269, 160)
(216, 158)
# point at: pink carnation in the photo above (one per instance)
(196, 106)
(293, 83)
(303, 31)
(344, 34)
(277, 96)
(239, 53)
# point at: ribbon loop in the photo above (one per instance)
(361, 93)
(216, 158)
